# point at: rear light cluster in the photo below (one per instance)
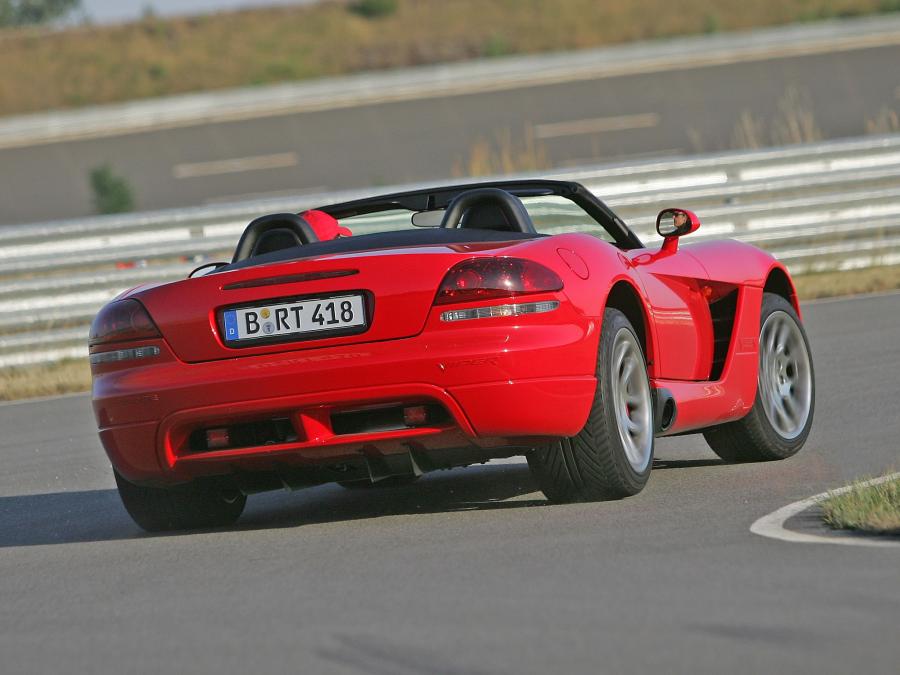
(492, 278)
(488, 278)
(122, 321)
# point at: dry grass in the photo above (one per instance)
(75, 376)
(794, 122)
(872, 508)
(887, 121)
(42, 69)
(503, 156)
(855, 282)
(45, 380)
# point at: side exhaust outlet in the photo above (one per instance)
(665, 411)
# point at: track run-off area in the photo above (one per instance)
(469, 571)
(623, 103)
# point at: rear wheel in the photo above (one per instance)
(184, 507)
(779, 421)
(611, 457)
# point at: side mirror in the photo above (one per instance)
(674, 223)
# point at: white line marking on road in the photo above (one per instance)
(772, 525)
(596, 125)
(280, 160)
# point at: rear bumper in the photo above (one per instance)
(502, 386)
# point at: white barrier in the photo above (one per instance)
(828, 206)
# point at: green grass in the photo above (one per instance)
(43, 69)
(866, 508)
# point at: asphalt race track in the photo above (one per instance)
(470, 571)
(573, 123)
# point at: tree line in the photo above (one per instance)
(28, 12)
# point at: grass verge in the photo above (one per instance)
(50, 379)
(866, 508)
(75, 376)
(848, 282)
(44, 69)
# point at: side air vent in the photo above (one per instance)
(723, 313)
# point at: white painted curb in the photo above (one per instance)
(772, 525)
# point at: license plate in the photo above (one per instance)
(294, 318)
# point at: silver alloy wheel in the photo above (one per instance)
(785, 375)
(631, 400)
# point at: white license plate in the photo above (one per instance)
(298, 317)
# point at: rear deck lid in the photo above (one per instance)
(314, 302)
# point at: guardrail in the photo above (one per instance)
(828, 206)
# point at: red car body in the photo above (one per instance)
(464, 391)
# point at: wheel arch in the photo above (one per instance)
(779, 282)
(625, 297)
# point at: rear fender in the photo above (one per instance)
(611, 277)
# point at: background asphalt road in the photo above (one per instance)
(675, 112)
(469, 571)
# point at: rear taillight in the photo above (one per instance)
(488, 278)
(122, 321)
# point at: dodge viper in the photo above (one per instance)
(471, 322)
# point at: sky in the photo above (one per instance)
(112, 11)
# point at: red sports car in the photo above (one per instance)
(315, 356)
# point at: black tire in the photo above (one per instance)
(389, 482)
(197, 505)
(753, 438)
(593, 465)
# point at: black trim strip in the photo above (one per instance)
(289, 279)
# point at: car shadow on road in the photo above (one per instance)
(98, 515)
(659, 464)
